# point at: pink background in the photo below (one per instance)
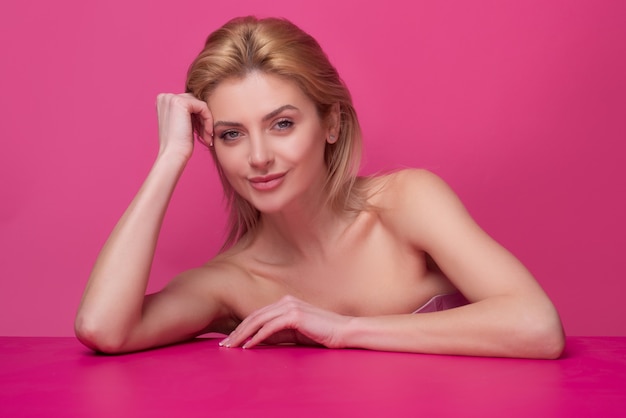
(520, 106)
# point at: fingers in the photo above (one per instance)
(288, 320)
(292, 323)
(180, 112)
(201, 117)
(258, 324)
(269, 329)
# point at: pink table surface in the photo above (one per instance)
(58, 377)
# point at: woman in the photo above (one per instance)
(315, 254)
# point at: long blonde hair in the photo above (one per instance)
(277, 46)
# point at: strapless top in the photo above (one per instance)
(443, 302)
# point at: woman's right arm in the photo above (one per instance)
(114, 314)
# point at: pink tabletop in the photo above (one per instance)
(57, 377)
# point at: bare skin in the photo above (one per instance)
(310, 275)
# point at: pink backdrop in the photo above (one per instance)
(520, 106)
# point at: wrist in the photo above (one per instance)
(173, 156)
(349, 336)
(372, 333)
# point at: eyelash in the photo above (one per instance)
(225, 136)
(280, 125)
(283, 121)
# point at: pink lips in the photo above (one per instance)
(268, 182)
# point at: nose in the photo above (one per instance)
(261, 155)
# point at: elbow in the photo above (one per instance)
(96, 337)
(543, 338)
(549, 345)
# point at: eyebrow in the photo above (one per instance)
(265, 118)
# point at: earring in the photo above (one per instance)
(211, 143)
(331, 139)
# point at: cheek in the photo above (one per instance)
(229, 163)
(310, 148)
(227, 159)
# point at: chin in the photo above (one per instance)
(269, 204)
(268, 207)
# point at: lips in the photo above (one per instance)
(268, 182)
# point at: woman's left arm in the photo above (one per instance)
(509, 314)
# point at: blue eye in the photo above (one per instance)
(284, 124)
(229, 135)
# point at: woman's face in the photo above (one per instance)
(269, 141)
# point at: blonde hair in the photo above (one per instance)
(277, 46)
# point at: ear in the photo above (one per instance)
(334, 123)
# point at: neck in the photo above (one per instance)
(304, 233)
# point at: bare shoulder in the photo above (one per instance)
(407, 188)
(412, 201)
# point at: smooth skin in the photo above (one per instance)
(310, 276)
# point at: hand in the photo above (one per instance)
(180, 116)
(289, 321)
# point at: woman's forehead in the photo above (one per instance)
(258, 94)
